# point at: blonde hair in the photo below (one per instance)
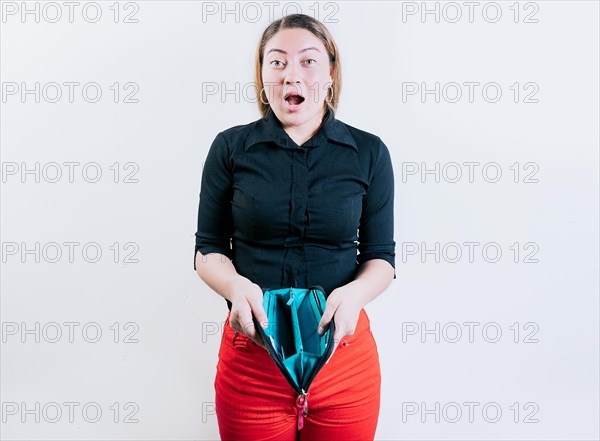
(318, 29)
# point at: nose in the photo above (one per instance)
(291, 76)
(291, 82)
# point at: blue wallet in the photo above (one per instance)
(292, 340)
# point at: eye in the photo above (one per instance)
(277, 61)
(311, 59)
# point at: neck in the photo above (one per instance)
(301, 134)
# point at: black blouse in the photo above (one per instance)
(295, 216)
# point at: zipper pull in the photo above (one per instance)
(302, 405)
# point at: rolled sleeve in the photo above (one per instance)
(215, 223)
(376, 229)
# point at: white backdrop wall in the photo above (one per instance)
(490, 112)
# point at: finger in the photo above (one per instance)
(259, 341)
(249, 328)
(337, 337)
(255, 336)
(246, 326)
(234, 320)
(250, 331)
(258, 311)
(325, 319)
(243, 315)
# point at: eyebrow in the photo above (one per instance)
(284, 52)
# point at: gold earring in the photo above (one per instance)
(329, 101)
(261, 96)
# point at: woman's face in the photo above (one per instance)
(296, 66)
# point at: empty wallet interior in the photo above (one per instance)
(294, 315)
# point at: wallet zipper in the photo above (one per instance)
(302, 398)
(330, 343)
(317, 300)
(327, 354)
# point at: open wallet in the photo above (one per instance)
(292, 340)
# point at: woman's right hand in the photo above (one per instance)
(246, 299)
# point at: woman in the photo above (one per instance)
(287, 201)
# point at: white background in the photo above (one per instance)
(173, 53)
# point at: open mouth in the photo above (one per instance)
(294, 99)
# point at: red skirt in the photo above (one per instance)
(255, 402)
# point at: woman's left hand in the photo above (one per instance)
(344, 305)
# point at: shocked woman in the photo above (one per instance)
(297, 199)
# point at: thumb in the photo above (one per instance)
(325, 319)
(259, 312)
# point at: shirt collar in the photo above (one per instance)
(269, 129)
